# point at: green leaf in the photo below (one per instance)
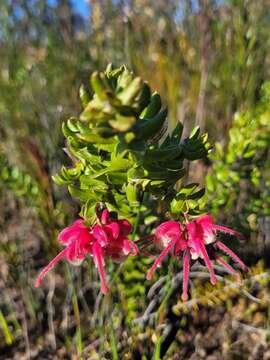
(131, 91)
(167, 153)
(98, 85)
(72, 124)
(122, 123)
(133, 194)
(195, 133)
(61, 181)
(153, 108)
(84, 96)
(144, 97)
(82, 195)
(177, 133)
(197, 195)
(177, 206)
(147, 128)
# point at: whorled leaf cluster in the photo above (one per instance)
(121, 150)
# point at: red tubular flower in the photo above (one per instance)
(189, 241)
(78, 242)
(108, 238)
(168, 237)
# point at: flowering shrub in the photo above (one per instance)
(126, 164)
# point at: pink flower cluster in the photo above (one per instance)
(190, 240)
(108, 238)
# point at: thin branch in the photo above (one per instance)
(50, 311)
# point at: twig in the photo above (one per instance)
(50, 311)
(25, 328)
(251, 328)
(96, 308)
(148, 315)
(156, 285)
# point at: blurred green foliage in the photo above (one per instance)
(239, 183)
(11, 178)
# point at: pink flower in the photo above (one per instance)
(189, 241)
(106, 238)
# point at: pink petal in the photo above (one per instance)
(206, 224)
(104, 218)
(99, 262)
(228, 231)
(119, 250)
(229, 252)
(75, 254)
(185, 275)
(71, 251)
(196, 242)
(125, 227)
(112, 230)
(84, 243)
(168, 228)
(130, 248)
(70, 233)
(159, 259)
(194, 239)
(100, 235)
(167, 232)
(50, 266)
(181, 245)
(205, 220)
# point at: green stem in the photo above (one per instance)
(113, 342)
(76, 310)
(137, 222)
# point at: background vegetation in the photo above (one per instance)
(210, 62)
